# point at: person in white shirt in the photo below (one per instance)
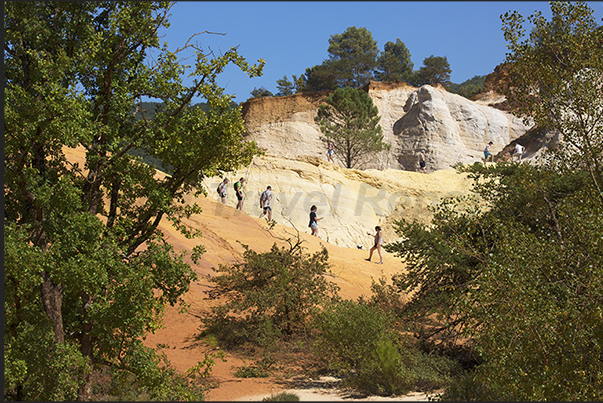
(519, 150)
(265, 200)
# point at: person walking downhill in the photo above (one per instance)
(222, 190)
(378, 242)
(265, 200)
(313, 221)
(238, 189)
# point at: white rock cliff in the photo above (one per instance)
(449, 127)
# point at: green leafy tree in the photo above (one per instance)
(322, 77)
(435, 70)
(270, 293)
(517, 269)
(557, 80)
(349, 119)
(394, 63)
(285, 86)
(353, 55)
(469, 87)
(288, 87)
(87, 271)
(261, 92)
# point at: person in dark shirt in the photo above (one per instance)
(238, 189)
(313, 221)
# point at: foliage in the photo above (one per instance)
(270, 294)
(284, 86)
(469, 87)
(349, 332)
(322, 77)
(557, 81)
(435, 70)
(288, 87)
(349, 119)
(260, 92)
(394, 63)
(519, 277)
(252, 371)
(361, 342)
(354, 53)
(87, 272)
(282, 397)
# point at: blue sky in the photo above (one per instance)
(293, 35)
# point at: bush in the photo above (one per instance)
(349, 332)
(282, 397)
(359, 341)
(271, 295)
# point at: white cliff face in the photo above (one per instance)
(450, 128)
(351, 201)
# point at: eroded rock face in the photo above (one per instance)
(351, 201)
(450, 128)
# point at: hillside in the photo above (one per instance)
(223, 227)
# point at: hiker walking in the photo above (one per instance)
(377, 246)
(330, 148)
(422, 161)
(487, 153)
(519, 150)
(313, 221)
(222, 190)
(265, 200)
(239, 191)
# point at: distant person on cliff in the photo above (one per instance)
(330, 149)
(222, 190)
(487, 153)
(238, 189)
(265, 201)
(519, 150)
(313, 221)
(378, 242)
(422, 161)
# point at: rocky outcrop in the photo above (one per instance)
(450, 128)
(351, 201)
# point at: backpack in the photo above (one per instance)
(263, 198)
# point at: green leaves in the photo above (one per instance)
(349, 119)
(75, 74)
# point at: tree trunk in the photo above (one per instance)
(84, 392)
(52, 298)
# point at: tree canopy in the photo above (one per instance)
(354, 54)
(349, 119)
(87, 271)
(515, 269)
(435, 70)
(394, 63)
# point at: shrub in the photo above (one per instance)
(282, 397)
(270, 295)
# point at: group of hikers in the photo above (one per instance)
(516, 152)
(266, 196)
(265, 205)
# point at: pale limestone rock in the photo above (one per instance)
(352, 201)
(449, 127)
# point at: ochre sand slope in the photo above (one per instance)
(223, 227)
